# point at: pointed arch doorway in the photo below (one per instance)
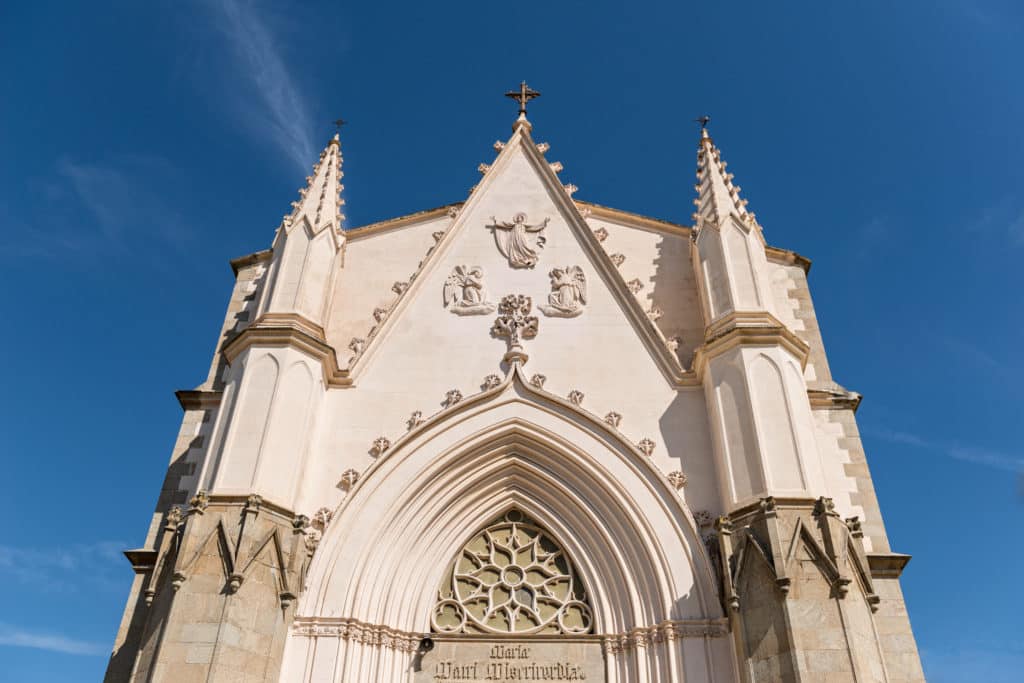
(647, 584)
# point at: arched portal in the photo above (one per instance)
(373, 584)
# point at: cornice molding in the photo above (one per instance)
(241, 262)
(748, 328)
(786, 257)
(372, 229)
(635, 220)
(834, 399)
(294, 331)
(198, 399)
(887, 565)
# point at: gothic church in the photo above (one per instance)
(522, 437)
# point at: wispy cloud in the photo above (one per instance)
(89, 208)
(976, 356)
(965, 453)
(65, 568)
(269, 101)
(54, 642)
(1003, 218)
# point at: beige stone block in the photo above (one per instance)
(824, 661)
(199, 633)
(199, 654)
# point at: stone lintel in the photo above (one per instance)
(249, 259)
(887, 565)
(198, 399)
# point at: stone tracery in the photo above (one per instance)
(512, 578)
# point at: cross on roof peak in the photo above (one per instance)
(522, 96)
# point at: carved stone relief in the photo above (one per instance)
(576, 396)
(490, 381)
(348, 480)
(568, 293)
(380, 444)
(614, 419)
(601, 234)
(452, 397)
(512, 578)
(415, 420)
(677, 479)
(646, 446)
(518, 241)
(464, 292)
(635, 285)
(538, 381)
(618, 259)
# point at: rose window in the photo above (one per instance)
(512, 577)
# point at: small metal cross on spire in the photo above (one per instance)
(523, 95)
(703, 121)
(338, 123)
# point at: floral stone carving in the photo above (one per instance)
(538, 381)
(490, 381)
(380, 445)
(464, 292)
(677, 479)
(568, 293)
(601, 234)
(348, 480)
(576, 396)
(614, 419)
(452, 397)
(415, 420)
(514, 240)
(618, 259)
(514, 323)
(646, 446)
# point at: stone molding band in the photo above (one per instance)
(353, 630)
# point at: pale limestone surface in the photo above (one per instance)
(345, 391)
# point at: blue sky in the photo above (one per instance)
(143, 145)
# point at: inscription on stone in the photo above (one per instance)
(507, 661)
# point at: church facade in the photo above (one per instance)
(522, 437)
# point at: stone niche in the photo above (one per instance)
(473, 660)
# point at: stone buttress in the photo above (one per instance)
(217, 580)
(796, 578)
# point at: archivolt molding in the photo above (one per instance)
(630, 555)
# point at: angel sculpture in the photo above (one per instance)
(568, 292)
(464, 292)
(513, 240)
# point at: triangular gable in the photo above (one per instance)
(521, 143)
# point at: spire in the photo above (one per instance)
(717, 197)
(320, 200)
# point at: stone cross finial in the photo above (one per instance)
(514, 323)
(522, 96)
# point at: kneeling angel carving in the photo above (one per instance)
(568, 293)
(464, 292)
